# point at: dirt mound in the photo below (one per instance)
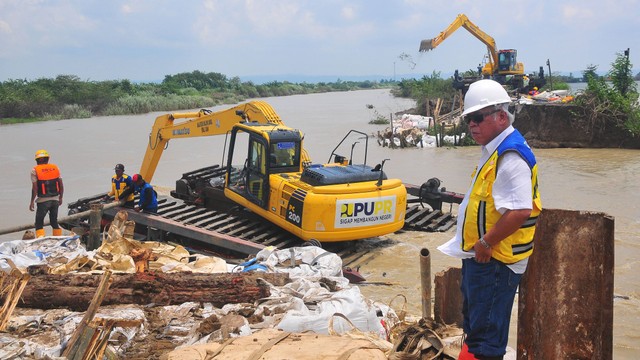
(564, 126)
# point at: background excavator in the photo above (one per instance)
(501, 66)
(269, 172)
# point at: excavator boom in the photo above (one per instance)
(462, 21)
(203, 123)
(501, 62)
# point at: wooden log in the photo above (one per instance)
(74, 291)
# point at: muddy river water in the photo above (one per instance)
(600, 180)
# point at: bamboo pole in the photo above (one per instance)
(425, 281)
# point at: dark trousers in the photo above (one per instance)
(488, 292)
(42, 209)
(153, 210)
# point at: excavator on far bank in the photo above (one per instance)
(501, 66)
(269, 172)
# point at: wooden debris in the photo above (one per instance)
(74, 291)
(141, 258)
(84, 338)
(11, 288)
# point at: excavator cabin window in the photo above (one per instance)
(284, 157)
(248, 167)
(507, 60)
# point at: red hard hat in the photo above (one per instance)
(136, 177)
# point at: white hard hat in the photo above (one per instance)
(483, 93)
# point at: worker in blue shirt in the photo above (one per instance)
(148, 201)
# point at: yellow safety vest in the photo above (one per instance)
(481, 214)
(119, 185)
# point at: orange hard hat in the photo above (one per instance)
(42, 154)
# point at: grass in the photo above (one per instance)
(7, 121)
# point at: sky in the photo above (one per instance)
(144, 40)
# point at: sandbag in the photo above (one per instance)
(271, 344)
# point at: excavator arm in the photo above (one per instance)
(203, 123)
(463, 20)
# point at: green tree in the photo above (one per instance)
(616, 104)
(620, 74)
(429, 87)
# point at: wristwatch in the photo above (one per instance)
(484, 243)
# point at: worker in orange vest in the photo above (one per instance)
(46, 191)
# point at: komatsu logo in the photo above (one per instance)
(183, 131)
(365, 212)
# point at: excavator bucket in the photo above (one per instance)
(426, 45)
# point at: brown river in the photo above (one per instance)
(600, 180)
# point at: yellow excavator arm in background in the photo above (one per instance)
(462, 20)
(203, 123)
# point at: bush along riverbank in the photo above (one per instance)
(69, 97)
(604, 115)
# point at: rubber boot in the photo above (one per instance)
(39, 233)
(57, 232)
(465, 354)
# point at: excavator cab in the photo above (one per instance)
(257, 151)
(507, 60)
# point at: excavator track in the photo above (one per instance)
(233, 232)
(234, 235)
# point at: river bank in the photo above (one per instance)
(567, 126)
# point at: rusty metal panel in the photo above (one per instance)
(565, 308)
(447, 306)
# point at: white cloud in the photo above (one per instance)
(348, 13)
(151, 38)
(5, 27)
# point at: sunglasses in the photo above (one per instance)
(478, 117)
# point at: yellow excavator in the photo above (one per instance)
(269, 172)
(500, 64)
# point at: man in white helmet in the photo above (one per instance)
(496, 221)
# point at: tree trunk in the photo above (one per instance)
(75, 291)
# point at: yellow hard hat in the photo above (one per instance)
(42, 154)
(535, 88)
